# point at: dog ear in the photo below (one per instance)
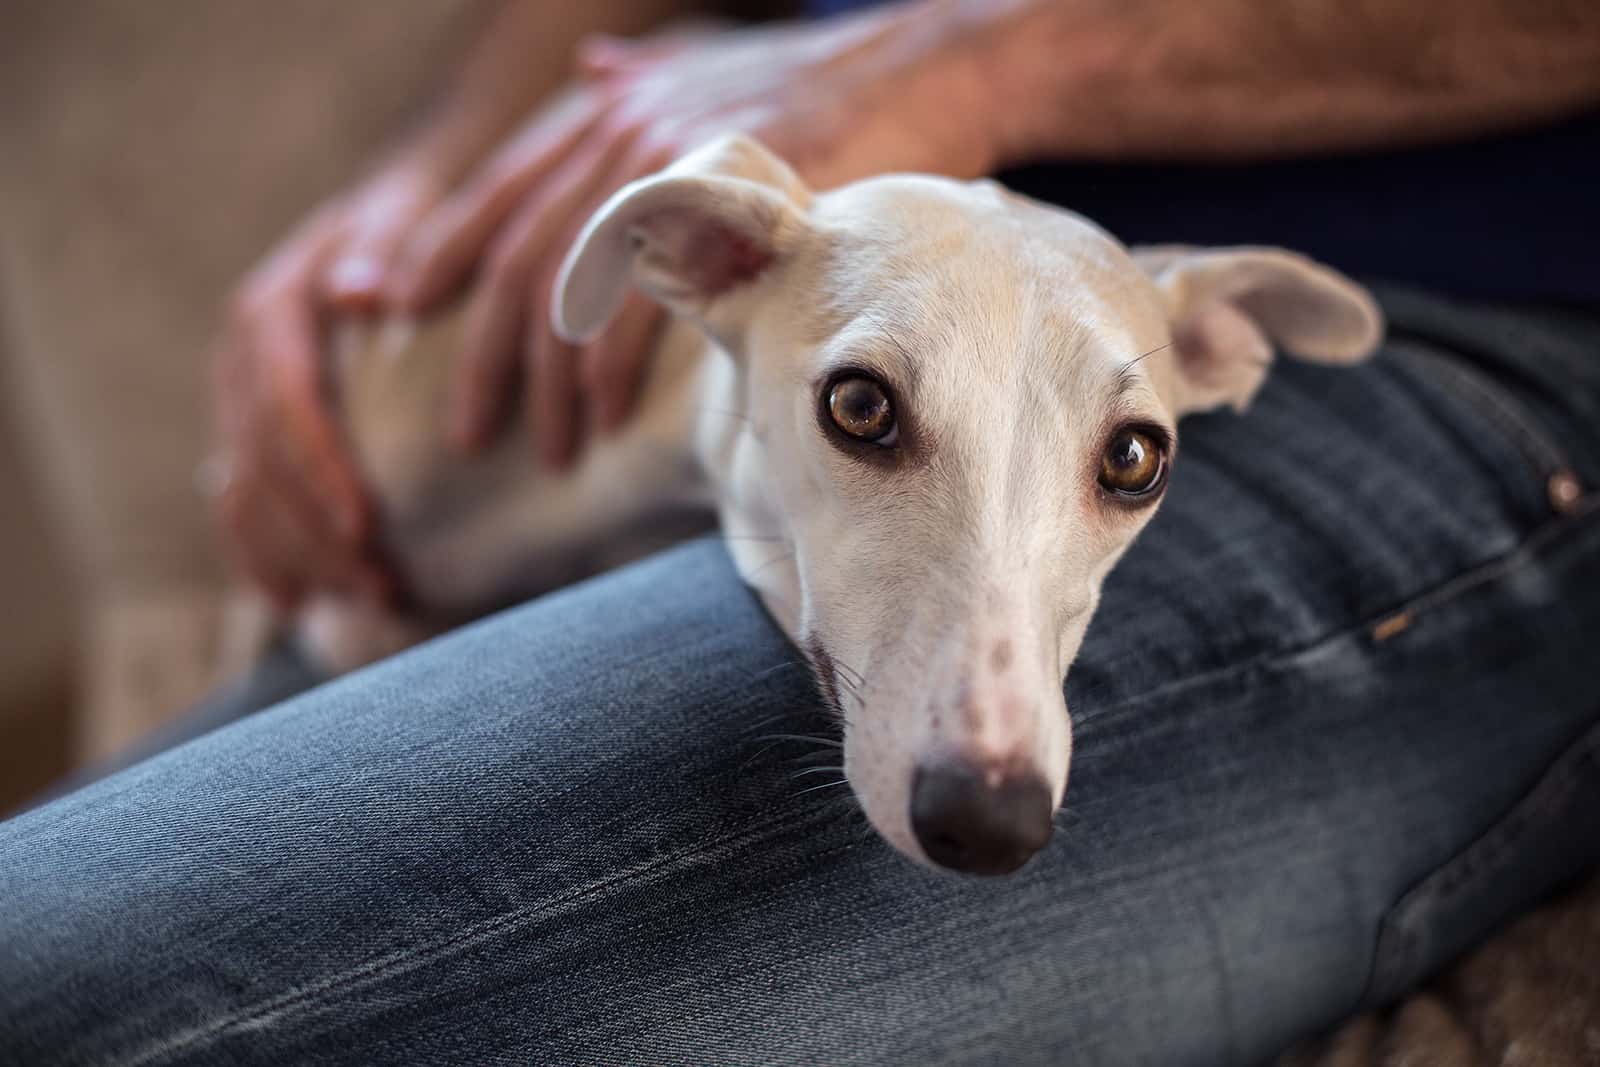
(1229, 308)
(694, 237)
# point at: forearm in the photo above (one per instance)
(525, 52)
(1237, 79)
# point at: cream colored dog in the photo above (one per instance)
(931, 416)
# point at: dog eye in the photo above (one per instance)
(860, 406)
(1134, 463)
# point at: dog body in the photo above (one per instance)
(931, 416)
(475, 534)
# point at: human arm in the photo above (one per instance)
(1238, 80)
(293, 507)
(963, 88)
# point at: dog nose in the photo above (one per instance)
(965, 823)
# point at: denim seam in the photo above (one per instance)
(1442, 593)
(596, 1029)
(1395, 956)
(1521, 429)
(1489, 570)
(377, 969)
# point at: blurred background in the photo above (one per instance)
(149, 154)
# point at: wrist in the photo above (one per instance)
(1003, 74)
(1057, 79)
(1034, 62)
(945, 57)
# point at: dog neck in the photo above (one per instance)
(731, 449)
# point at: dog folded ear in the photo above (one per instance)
(695, 237)
(1230, 308)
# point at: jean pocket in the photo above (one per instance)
(1548, 838)
(1500, 422)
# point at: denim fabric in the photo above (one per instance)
(1335, 721)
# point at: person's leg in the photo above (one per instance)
(1335, 720)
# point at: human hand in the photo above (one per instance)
(839, 100)
(295, 514)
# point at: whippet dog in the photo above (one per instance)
(930, 415)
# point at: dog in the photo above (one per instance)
(930, 416)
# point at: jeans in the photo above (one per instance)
(1336, 720)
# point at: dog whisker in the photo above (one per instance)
(762, 751)
(1144, 355)
(773, 741)
(855, 677)
(849, 691)
(847, 807)
(728, 412)
(775, 560)
(816, 770)
(843, 687)
(845, 677)
(800, 737)
(829, 746)
(864, 830)
(813, 757)
(789, 665)
(824, 785)
(850, 681)
(767, 721)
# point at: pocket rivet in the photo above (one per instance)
(1564, 491)
(1394, 624)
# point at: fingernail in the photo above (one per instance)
(357, 275)
(599, 47)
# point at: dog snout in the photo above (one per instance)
(979, 825)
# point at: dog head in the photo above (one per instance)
(959, 407)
